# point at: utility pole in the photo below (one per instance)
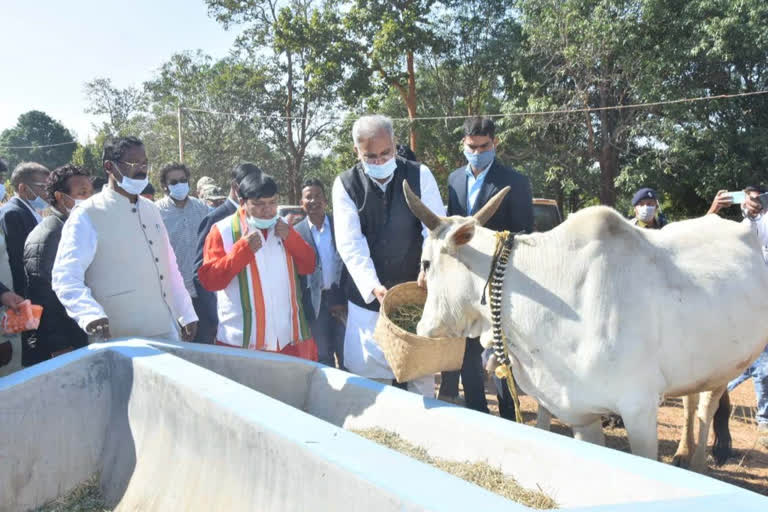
(181, 135)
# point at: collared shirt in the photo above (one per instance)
(181, 224)
(325, 251)
(474, 184)
(759, 225)
(383, 186)
(38, 217)
(79, 242)
(350, 242)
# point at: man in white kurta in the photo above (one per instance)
(372, 265)
(115, 271)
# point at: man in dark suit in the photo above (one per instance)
(469, 188)
(324, 300)
(10, 344)
(20, 215)
(205, 303)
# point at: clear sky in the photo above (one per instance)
(50, 48)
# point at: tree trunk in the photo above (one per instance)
(609, 153)
(291, 170)
(410, 102)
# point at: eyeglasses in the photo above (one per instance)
(136, 167)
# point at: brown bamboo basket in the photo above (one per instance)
(411, 356)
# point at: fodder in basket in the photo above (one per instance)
(407, 316)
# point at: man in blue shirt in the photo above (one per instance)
(469, 188)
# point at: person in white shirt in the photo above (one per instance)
(115, 271)
(182, 215)
(756, 218)
(379, 239)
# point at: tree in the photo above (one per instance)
(702, 147)
(213, 142)
(391, 35)
(310, 68)
(119, 105)
(88, 157)
(36, 129)
(463, 78)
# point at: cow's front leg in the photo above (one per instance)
(591, 433)
(640, 422)
(682, 458)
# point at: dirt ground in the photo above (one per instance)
(747, 468)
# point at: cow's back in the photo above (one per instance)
(600, 308)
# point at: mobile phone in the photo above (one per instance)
(763, 198)
(738, 197)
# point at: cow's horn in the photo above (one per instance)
(419, 209)
(487, 211)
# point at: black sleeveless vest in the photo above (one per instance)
(393, 233)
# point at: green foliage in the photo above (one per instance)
(119, 105)
(704, 147)
(36, 128)
(213, 144)
(303, 70)
(88, 157)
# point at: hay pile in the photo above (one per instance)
(86, 497)
(407, 316)
(478, 473)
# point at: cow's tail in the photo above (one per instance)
(721, 449)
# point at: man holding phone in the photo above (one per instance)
(753, 210)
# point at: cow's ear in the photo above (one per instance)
(461, 234)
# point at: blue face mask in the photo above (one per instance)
(38, 204)
(2, 191)
(480, 160)
(257, 223)
(179, 191)
(380, 172)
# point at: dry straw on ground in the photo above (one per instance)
(478, 473)
(86, 497)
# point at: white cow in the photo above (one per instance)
(602, 317)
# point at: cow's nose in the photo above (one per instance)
(427, 331)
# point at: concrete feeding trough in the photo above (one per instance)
(176, 426)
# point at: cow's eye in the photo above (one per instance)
(425, 265)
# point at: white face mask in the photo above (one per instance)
(76, 201)
(257, 223)
(380, 171)
(179, 191)
(130, 185)
(646, 212)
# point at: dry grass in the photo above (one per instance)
(407, 316)
(478, 473)
(86, 497)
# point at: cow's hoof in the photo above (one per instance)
(681, 460)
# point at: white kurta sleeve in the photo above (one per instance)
(75, 254)
(430, 195)
(351, 244)
(180, 299)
